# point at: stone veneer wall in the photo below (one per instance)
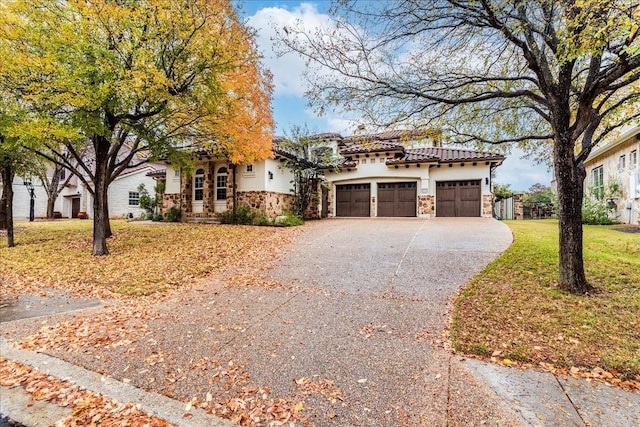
(518, 206)
(208, 196)
(426, 205)
(169, 200)
(273, 204)
(314, 210)
(487, 205)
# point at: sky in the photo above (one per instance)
(290, 106)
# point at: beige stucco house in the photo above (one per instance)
(615, 164)
(390, 174)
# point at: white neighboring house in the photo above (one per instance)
(379, 176)
(75, 198)
(616, 161)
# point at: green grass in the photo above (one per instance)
(144, 259)
(515, 307)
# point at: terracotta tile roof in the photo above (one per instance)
(161, 173)
(140, 167)
(372, 146)
(442, 155)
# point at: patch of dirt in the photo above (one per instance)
(629, 229)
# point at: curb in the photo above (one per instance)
(154, 404)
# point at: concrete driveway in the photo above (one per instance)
(379, 291)
(354, 334)
(407, 257)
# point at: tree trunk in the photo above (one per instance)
(51, 202)
(107, 221)
(7, 198)
(3, 209)
(101, 146)
(570, 180)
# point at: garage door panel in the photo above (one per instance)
(458, 198)
(397, 199)
(353, 200)
(386, 197)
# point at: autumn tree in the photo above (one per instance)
(555, 77)
(122, 82)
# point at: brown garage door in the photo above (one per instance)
(397, 199)
(458, 198)
(353, 199)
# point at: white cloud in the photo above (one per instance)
(287, 69)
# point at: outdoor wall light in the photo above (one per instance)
(270, 175)
(486, 180)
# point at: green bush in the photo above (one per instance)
(173, 214)
(157, 217)
(596, 212)
(287, 219)
(242, 215)
(292, 219)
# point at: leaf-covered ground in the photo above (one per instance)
(513, 312)
(89, 408)
(144, 258)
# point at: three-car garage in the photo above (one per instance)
(399, 199)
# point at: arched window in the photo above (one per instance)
(221, 184)
(198, 185)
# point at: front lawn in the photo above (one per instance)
(513, 311)
(144, 258)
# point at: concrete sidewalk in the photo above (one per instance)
(536, 398)
(15, 403)
(542, 399)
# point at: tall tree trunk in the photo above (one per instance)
(101, 147)
(570, 180)
(7, 197)
(3, 208)
(107, 221)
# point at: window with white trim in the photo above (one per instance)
(622, 162)
(633, 159)
(249, 168)
(134, 198)
(221, 184)
(198, 185)
(597, 181)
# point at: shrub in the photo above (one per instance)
(242, 215)
(173, 214)
(157, 217)
(288, 219)
(596, 212)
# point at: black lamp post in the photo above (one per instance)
(32, 202)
